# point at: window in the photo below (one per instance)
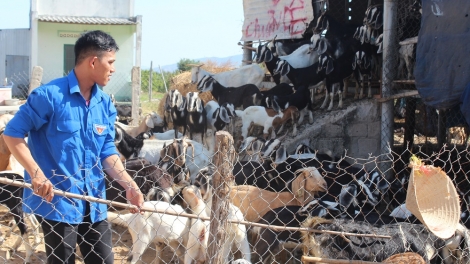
(69, 58)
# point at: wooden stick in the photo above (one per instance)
(151, 209)
(307, 259)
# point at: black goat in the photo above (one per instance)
(178, 111)
(243, 96)
(127, 145)
(336, 71)
(196, 118)
(12, 197)
(405, 237)
(282, 89)
(300, 99)
(362, 65)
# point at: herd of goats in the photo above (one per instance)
(271, 187)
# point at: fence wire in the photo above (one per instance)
(274, 224)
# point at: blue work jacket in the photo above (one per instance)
(68, 140)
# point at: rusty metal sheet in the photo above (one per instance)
(285, 19)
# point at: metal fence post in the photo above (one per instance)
(223, 160)
(388, 70)
(135, 79)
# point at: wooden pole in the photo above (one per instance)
(223, 160)
(36, 78)
(150, 81)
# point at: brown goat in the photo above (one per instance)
(254, 202)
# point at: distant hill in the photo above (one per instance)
(236, 60)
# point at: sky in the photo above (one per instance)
(171, 29)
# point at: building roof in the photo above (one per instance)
(88, 20)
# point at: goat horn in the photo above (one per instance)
(191, 144)
(249, 48)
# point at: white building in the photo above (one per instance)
(54, 28)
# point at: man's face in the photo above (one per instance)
(104, 68)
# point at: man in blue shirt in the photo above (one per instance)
(70, 127)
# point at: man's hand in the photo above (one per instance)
(135, 197)
(42, 186)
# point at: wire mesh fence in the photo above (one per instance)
(263, 198)
(266, 208)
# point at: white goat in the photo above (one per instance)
(198, 237)
(147, 123)
(167, 135)
(236, 234)
(258, 115)
(252, 73)
(154, 227)
(301, 57)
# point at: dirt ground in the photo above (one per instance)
(122, 242)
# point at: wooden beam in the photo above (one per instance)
(398, 95)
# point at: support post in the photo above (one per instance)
(247, 53)
(135, 78)
(36, 78)
(223, 159)
(389, 56)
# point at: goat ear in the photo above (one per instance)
(366, 62)
(298, 187)
(281, 155)
(329, 66)
(354, 63)
(224, 115)
(181, 102)
(268, 56)
(348, 195)
(118, 137)
(322, 46)
(200, 105)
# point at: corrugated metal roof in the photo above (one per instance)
(88, 20)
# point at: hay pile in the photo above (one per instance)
(182, 82)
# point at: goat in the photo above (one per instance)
(12, 197)
(196, 119)
(242, 96)
(362, 66)
(167, 112)
(167, 135)
(178, 111)
(145, 125)
(300, 99)
(267, 241)
(218, 117)
(267, 118)
(151, 150)
(282, 89)
(248, 74)
(254, 202)
(405, 237)
(155, 227)
(302, 189)
(196, 247)
(147, 177)
(236, 233)
(264, 54)
(336, 71)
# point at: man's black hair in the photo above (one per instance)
(93, 43)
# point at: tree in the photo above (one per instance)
(183, 64)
